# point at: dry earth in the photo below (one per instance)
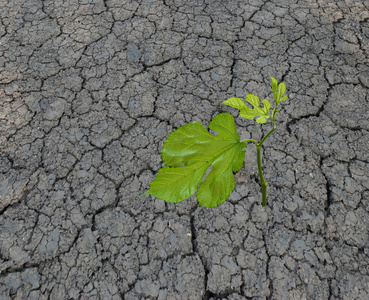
(89, 90)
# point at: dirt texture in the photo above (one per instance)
(90, 89)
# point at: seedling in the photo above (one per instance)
(189, 151)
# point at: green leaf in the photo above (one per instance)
(262, 113)
(283, 99)
(267, 105)
(261, 120)
(189, 151)
(281, 90)
(235, 102)
(274, 87)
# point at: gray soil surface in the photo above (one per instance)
(90, 89)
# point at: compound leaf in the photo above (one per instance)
(281, 90)
(262, 113)
(189, 151)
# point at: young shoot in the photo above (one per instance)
(190, 150)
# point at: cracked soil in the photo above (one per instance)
(90, 89)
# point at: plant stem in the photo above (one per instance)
(263, 183)
(267, 135)
(249, 140)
